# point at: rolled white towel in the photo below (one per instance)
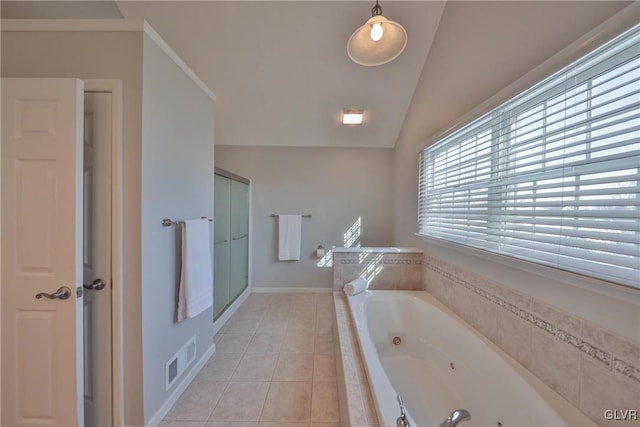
(356, 286)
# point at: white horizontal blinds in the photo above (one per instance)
(552, 175)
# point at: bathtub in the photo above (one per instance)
(441, 365)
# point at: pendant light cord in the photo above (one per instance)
(376, 10)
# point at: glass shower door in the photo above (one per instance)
(239, 248)
(221, 233)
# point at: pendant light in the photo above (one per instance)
(378, 41)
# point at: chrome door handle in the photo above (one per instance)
(96, 285)
(63, 292)
(239, 237)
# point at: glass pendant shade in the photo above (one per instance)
(364, 50)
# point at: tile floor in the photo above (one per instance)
(273, 366)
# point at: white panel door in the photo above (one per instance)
(42, 365)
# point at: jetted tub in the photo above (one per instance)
(441, 365)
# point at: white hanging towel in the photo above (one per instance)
(196, 279)
(289, 237)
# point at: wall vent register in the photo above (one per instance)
(178, 364)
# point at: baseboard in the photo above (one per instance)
(173, 397)
(292, 290)
(220, 321)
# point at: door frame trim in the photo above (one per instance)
(114, 87)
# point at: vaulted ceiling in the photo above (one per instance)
(282, 76)
(280, 70)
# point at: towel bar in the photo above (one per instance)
(166, 222)
(303, 216)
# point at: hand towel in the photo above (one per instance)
(289, 237)
(196, 279)
(356, 286)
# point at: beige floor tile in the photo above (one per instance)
(273, 325)
(324, 326)
(277, 311)
(297, 324)
(303, 312)
(240, 325)
(324, 343)
(324, 311)
(241, 401)
(265, 343)
(325, 299)
(280, 299)
(250, 310)
(232, 343)
(182, 424)
(298, 342)
(324, 405)
(259, 298)
(324, 368)
(287, 401)
(220, 367)
(294, 367)
(232, 424)
(247, 353)
(197, 402)
(281, 424)
(255, 367)
(303, 299)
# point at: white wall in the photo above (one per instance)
(177, 183)
(335, 185)
(92, 9)
(479, 49)
(113, 56)
(173, 152)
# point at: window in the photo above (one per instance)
(550, 176)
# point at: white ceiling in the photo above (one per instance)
(280, 70)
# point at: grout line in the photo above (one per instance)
(580, 379)
(313, 370)
(217, 402)
(311, 402)
(264, 403)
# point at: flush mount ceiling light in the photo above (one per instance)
(378, 41)
(352, 117)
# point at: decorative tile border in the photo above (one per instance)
(594, 352)
(383, 261)
(606, 358)
(402, 270)
(625, 369)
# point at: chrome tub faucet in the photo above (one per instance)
(402, 420)
(456, 417)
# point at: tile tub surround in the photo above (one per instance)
(387, 268)
(273, 367)
(592, 368)
(356, 403)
